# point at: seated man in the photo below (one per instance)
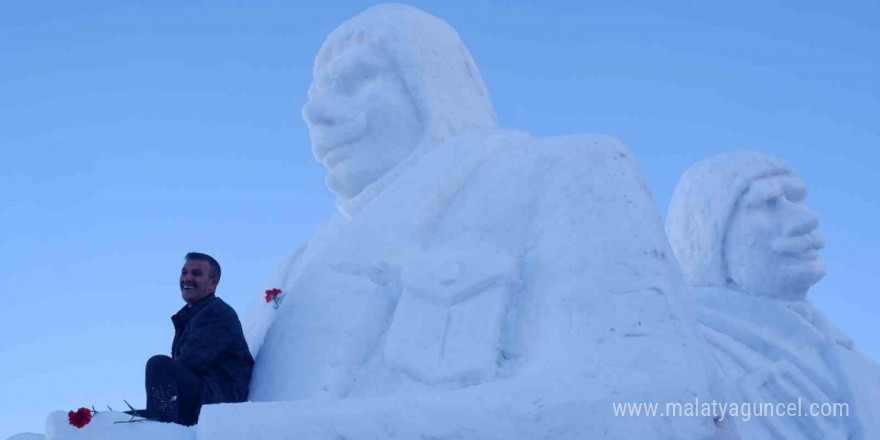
(210, 361)
(749, 248)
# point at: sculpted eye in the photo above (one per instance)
(797, 196)
(772, 203)
(352, 82)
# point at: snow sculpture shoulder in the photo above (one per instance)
(746, 242)
(470, 270)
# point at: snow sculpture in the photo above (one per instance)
(475, 281)
(719, 237)
(376, 96)
(748, 245)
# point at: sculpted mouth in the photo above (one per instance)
(803, 246)
(328, 138)
(336, 155)
(810, 254)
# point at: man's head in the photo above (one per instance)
(198, 277)
(737, 219)
(384, 82)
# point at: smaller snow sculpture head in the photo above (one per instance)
(384, 82)
(737, 220)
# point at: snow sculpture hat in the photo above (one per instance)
(702, 205)
(430, 57)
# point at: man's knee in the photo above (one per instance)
(159, 362)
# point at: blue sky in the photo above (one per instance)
(134, 132)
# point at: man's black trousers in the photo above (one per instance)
(174, 393)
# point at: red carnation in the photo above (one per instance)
(272, 295)
(80, 418)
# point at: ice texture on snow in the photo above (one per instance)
(479, 270)
(745, 240)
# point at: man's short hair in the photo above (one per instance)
(215, 266)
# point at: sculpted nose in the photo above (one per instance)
(321, 111)
(313, 114)
(803, 221)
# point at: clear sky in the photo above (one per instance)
(134, 132)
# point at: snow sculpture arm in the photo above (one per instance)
(260, 315)
(604, 292)
(604, 278)
(447, 325)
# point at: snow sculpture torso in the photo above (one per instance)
(748, 247)
(465, 257)
(779, 352)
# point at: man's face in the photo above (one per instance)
(196, 281)
(771, 244)
(361, 118)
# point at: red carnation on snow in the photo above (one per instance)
(80, 418)
(272, 295)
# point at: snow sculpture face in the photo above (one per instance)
(771, 243)
(389, 84)
(361, 119)
(736, 220)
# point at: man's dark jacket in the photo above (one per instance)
(208, 341)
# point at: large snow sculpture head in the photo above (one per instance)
(736, 219)
(384, 82)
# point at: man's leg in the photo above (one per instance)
(174, 393)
